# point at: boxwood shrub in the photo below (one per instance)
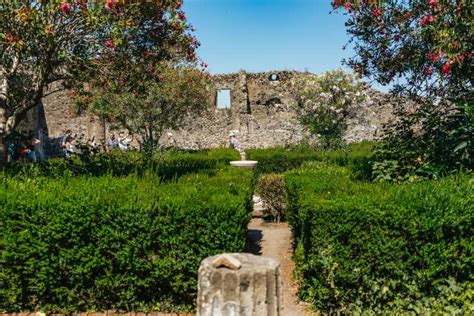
(363, 247)
(99, 243)
(280, 159)
(167, 164)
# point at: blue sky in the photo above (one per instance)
(262, 35)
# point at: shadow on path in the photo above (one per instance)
(254, 242)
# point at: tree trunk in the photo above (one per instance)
(3, 141)
(3, 153)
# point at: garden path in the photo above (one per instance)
(274, 240)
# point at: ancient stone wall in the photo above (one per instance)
(54, 115)
(262, 114)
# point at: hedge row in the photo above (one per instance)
(382, 247)
(119, 163)
(278, 160)
(80, 243)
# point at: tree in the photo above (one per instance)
(325, 102)
(425, 48)
(46, 41)
(147, 107)
(148, 79)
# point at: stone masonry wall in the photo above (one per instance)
(261, 114)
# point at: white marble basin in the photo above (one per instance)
(245, 164)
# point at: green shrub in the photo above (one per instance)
(382, 247)
(278, 160)
(175, 164)
(271, 188)
(100, 243)
(168, 164)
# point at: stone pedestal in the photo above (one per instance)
(253, 289)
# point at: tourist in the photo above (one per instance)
(235, 144)
(12, 154)
(23, 151)
(111, 143)
(124, 141)
(31, 149)
(66, 143)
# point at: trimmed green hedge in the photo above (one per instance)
(79, 244)
(278, 160)
(382, 247)
(119, 163)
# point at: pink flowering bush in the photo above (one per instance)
(425, 50)
(71, 41)
(326, 101)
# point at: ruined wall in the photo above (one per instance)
(261, 113)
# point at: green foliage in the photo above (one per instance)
(365, 247)
(278, 160)
(426, 43)
(430, 143)
(82, 243)
(121, 163)
(425, 49)
(326, 101)
(271, 188)
(163, 97)
(71, 42)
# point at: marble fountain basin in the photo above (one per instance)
(244, 164)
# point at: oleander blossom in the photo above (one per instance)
(65, 8)
(325, 101)
(446, 69)
(109, 44)
(427, 19)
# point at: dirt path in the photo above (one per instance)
(274, 240)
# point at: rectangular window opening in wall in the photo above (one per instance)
(223, 99)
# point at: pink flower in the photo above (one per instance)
(82, 4)
(109, 4)
(427, 19)
(336, 4)
(429, 71)
(109, 44)
(151, 69)
(435, 56)
(377, 13)
(348, 7)
(182, 16)
(433, 3)
(446, 69)
(65, 8)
